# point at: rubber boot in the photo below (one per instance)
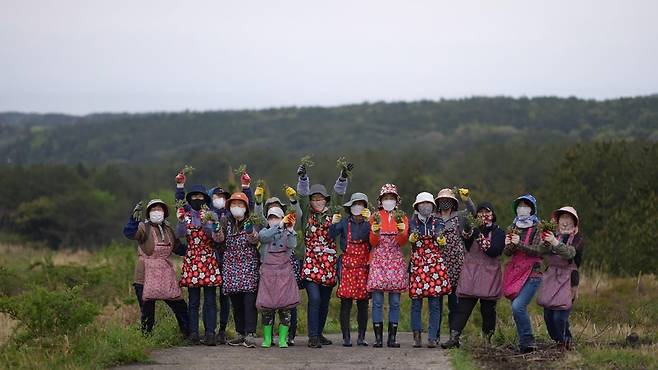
(361, 340)
(267, 336)
(378, 328)
(417, 339)
(283, 336)
(392, 333)
(453, 342)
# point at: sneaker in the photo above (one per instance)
(324, 341)
(237, 341)
(249, 341)
(210, 340)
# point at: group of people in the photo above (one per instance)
(242, 247)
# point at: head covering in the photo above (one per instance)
(276, 211)
(319, 189)
(489, 206)
(219, 191)
(533, 219)
(566, 209)
(424, 197)
(274, 200)
(355, 198)
(447, 193)
(389, 189)
(238, 196)
(160, 202)
(197, 189)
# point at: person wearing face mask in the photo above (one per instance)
(277, 288)
(456, 229)
(218, 196)
(319, 264)
(200, 270)
(481, 277)
(155, 278)
(428, 275)
(240, 269)
(388, 270)
(354, 234)
(560, 281)
(522, 274)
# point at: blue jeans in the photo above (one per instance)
(557, 323)
(435, 316)
(209, 309)
(520, 312)
(378, 307)
(318, 307)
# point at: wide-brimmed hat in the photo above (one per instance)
(319, 189)
(160, 202)
(197, 189)
(566, 209)
(424, 197)
(355, 198)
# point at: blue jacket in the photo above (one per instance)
(360, 231)
(432, 226)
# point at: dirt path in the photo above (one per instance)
(300, 357)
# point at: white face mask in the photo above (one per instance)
(219, 203)
(274, 222)
(356, 209)
(389, 204)
(523, 211)
(238, 212)
(156, 217)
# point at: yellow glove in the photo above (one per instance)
(258, 194)
(375, 228)
(401, 226)
(291, 193)
(336, 218)
(464, 193)
(442, 240)
(413, 238)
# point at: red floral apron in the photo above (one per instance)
(518, 269)
(354, 270)
(388, 271)
(319, 267)
(200, 266)
(429, 277)
(159, 275)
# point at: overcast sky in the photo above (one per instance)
(81, 56)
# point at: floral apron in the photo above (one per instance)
(200, 265)
(354, 269)
(319, 267)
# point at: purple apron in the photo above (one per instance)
(555, 289)
(481, 276)
(277, 287)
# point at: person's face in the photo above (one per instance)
(196, 196)
(318, 202)
(486, 216)
(567, 223)
(157, 207)
(217, 197)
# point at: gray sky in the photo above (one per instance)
(81, 56)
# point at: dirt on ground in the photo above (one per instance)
(334, 356)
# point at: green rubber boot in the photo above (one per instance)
(283, 336)
(267, 336)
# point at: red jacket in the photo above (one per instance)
(388, 225)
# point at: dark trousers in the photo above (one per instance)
(209, 309)
(318, 307)
(224, 309)
(452, 310)
(178, 307)
(244, 312)
(361, 314)
(465, 308)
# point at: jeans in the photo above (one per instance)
(378, 307)
(179, 308)
(557, 323)
(318, 307)
(434, 319)
(520, 312)
(209, 309)
(244, 312)
(465, 308)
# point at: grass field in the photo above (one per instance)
(98, 326)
